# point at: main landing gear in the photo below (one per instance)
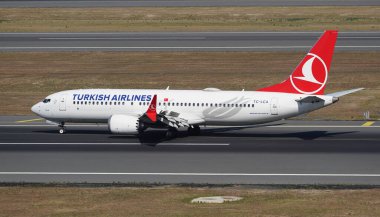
(195, 130)
(62, 128)
(171, 133)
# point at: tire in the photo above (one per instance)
(171, 133)
(194, 131)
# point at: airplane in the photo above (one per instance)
(132, 111)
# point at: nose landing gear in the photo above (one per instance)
(62, 128)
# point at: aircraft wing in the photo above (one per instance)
(169, 118)
(174, 119)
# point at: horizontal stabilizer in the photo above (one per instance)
(344, 92)
(310, 99)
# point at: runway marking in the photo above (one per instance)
(315, 126)
(163, 33)
(114, 143)
(30, 120)
(165, 38)
(289, 126)
(128, 38)
(195, 174)
(184, 48)
(360, 37)
(368, 124)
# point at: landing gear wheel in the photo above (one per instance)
(171, 133)
(194, 131)
(62, 130)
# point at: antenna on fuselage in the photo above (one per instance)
(167, 88)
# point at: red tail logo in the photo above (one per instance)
(310, 76)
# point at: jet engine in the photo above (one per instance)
(124, 124)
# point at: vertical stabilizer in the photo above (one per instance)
(310, 76)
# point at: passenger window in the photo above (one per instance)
(74, 102)
(97, 103)
(123, 103)
(101, 103)
(105, 103)
(131, 103)
(81, 102)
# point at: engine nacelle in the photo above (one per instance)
(123, 124)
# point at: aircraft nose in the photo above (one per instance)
(36, 108)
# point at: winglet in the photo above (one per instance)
(151, 113)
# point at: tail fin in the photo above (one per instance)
(310, 76)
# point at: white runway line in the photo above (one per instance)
(195, 174)
(128, 38)
(318, 126)
(285, 126)
(184, 48)
(113, 143)
(165, 33)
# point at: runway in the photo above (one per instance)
(285, 152)
(183, 41)
(183, 3)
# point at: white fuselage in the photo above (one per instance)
(208, 107)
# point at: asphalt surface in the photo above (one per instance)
(184, 3)
(286, 152)
(183, 41)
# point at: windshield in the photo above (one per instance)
(46, 100)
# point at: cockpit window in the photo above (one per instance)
(46, 100)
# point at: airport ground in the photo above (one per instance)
(123, 19)
(288, 168)
(175, 201)
(326, 150)
(27, 77)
